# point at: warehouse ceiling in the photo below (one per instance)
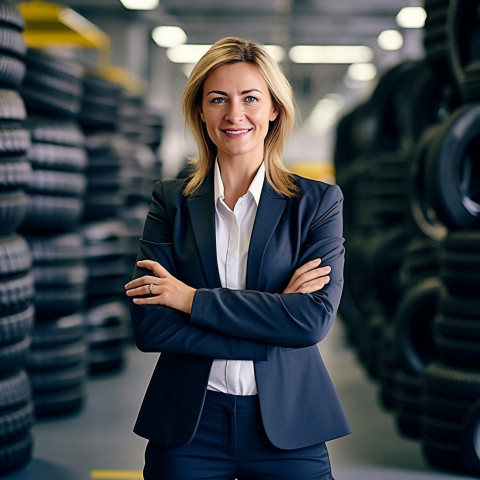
(282, 22)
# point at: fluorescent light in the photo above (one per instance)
(168, 36)
(187, 53)
(325, 114)
(276, 52)
(362, 72)
(140, 4)
(411, 17)
(390, 40)
(330, 53)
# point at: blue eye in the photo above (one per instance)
(218, 100)
(251, 99)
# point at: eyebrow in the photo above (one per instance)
(245, 92)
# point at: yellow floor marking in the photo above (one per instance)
(117, 474)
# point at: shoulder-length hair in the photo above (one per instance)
(232, 50)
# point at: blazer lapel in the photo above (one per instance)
(202, 215)
(269, 211)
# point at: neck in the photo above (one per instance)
(237, 176)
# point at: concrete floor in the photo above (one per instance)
(98, 441)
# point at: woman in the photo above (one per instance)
(229, 288)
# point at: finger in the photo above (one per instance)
(314, 285)
(155, 267)
(310, 275)
(139, 291)
(140, 281)
(308, 266)
(155, 300)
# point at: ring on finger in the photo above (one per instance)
(151, 287)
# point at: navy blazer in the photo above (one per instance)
(279, 332)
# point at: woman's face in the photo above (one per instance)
(237, 108)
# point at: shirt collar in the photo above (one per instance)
(255, 187)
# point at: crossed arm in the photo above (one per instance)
(162, 288)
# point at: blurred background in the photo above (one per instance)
(388, 97)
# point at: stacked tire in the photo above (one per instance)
(57, 361)
(16, 278)
(105, 233)
(406, 160)
(452, 383)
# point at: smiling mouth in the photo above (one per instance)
(237, 132)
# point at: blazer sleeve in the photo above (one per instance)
(162, 329)
(285, 320)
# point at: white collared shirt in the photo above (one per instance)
(233, 230)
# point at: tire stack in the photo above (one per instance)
(106, 234)
(406, 160)
(16, 277)
(57, 361)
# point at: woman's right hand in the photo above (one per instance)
(308, 278)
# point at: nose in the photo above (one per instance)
(235, 111)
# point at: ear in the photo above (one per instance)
(202, 116)
(274, 113)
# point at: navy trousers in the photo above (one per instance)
(231, 443)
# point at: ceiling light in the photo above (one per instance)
(390, 40)
(411, 17)
(362, 72)
(186, 53)
(140, 4)
(330, 53)
(325, 114)
(168, 36)
(276, 52)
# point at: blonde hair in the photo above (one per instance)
(232, 50)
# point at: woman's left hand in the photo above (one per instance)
(161, 288)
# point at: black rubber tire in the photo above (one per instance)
(15, 391)
(463, 34)
(459, 306)
(408, 404)
(52, 213)
(67, 329)
(424, 216)
(13, 141)
(16, 423)
(45, 381)
(58, 403)
(14, 356)
(16, 326)
(51, 182)
(413, 323)
(15, 455)
(62, 356)
(452, 381)
(15, 255)
(471, 439)
(443, 455)
(10, 14)
(16, 294)
(12, 107)
(458, 352)
(44, 129)
(12, 41)
(58, 157)
(13, 208)
(452, 170)
(12, 71)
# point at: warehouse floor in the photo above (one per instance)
(98, 442)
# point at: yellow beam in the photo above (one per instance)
(52, 25)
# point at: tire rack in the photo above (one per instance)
(16, 277)
(53, 235)
(407, 161)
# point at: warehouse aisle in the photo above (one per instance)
(99, 443)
